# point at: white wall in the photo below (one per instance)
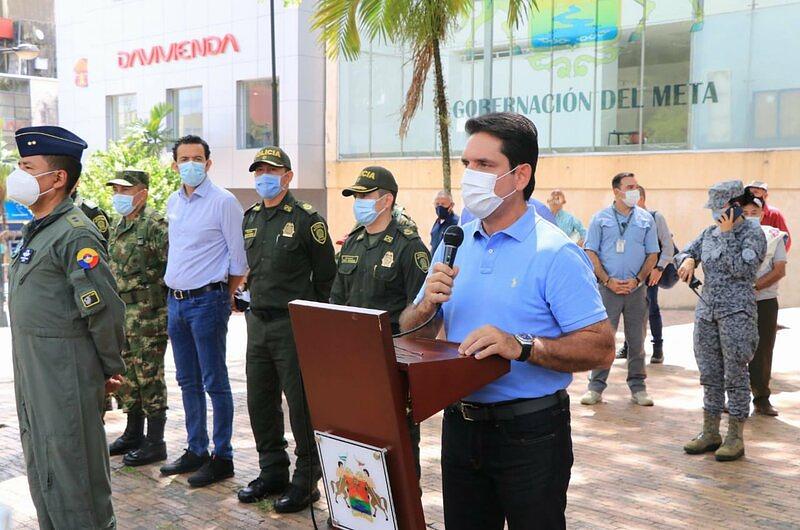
(99, 29)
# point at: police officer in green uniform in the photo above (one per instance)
(290, 256)
(97, 215)
(382, 265)
(138, 251)
(67, 330)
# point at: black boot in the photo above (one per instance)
(133, 436)
(658, 353)
(153, 449)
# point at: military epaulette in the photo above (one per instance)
(306, 207)
(90, 203)
(74, 220)
(256, 206)
(356, 230)
(408, 232)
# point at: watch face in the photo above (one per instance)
(524, 338)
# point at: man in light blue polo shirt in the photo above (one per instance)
(520, 289)
(622, 244)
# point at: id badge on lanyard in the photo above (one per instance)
(620, 246)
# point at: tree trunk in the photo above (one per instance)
(443, 115)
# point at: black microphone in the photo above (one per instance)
(453, 237)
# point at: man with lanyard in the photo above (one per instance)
(522, 290)
(622, 244)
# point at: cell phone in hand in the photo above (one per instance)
(242, 300)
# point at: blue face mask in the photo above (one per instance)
(269, 186)
(123, 204)
(364, 211)
(192, 173)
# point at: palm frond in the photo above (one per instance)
(519, 10)
(337, 23)
(422, 59)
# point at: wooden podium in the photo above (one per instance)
(358, 382)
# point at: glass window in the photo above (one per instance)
(255, 114)
(595, 75)
(187, 111)
(120, 112)
(15, 106)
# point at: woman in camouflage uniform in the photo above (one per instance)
(725, 330)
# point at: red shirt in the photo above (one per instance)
(774, 217)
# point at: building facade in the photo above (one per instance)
(210, 61)
(683, 93)
(28, 88)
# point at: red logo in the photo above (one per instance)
(186, 50)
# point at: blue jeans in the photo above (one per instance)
(197, 328)
(655, 314)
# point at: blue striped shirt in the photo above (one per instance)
(206, 244)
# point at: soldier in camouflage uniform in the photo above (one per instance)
(725, 330)
(382, 264)
(138, 251)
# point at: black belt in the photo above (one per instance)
(179, 294)
(509, 411)
(270, 314)
(134, 297)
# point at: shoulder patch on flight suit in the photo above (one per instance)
(90, 299)
(26, 255)
(308, 208)
(349, 259)
(319, 233)
(87, 258)
(250, 233)
(101, 222)
(422, 261)
(74, 220)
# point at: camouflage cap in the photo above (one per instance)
(720, 193)
(372, 178)
(272, 155)
(130, 177)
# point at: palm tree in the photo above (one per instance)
(151, 132)
(420, 25)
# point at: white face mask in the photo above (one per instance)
(23, 187)
(631, 198)
(477, 191)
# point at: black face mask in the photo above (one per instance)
(442, 212)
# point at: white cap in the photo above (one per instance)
(758, 184)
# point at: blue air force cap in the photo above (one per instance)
(49, 140)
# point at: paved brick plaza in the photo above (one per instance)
(630, 470)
